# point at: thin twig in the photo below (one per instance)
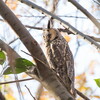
(13, 41)
(16, 81)
(78, 17)
(83, 10)
(38, 28)
(76, 23)
(82, 95)
(11, 60)
(30, 92)
(64, 30)
(97, 2)
(77, 49)
(55, 5)
(60, 29)
(40, 20)
(35, 58)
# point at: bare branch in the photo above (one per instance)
(2, 83)
(77, 17)
(94, 38)
(94, 20)
(30, 92)
(13, 41)
(97, 2)
(68, 26)
(38, 28)
(60, 29)
(65, 30)
(40, 20)
(82, 95)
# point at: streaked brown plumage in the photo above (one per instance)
(60, 57)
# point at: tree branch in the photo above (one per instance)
(65, 30)
(60, 29)
(95, 38)
(2, 96)
(30, 92)
(66, 24)
(93, 19)
(47, 76)
(2, 83)
(82, 95)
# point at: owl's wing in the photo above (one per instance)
(57, 53)
(63, 58)
(69, 62)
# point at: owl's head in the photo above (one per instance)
(50, 34)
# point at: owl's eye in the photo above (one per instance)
(49, 35)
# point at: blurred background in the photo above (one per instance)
(86, 56)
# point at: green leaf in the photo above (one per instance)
(97, 82)
(2, 57)
(21, 65)
(8, 71)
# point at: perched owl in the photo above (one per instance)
(60, 57)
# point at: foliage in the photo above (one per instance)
(67, 38)
(2, 57)
(21, 65)
(9, 96)
(12, 4)
(97, 82)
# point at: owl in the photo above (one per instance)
(60, 57)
